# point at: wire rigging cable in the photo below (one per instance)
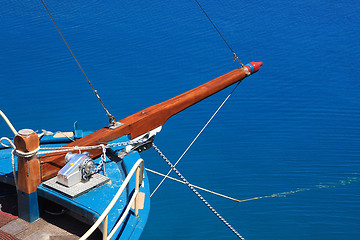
(218, 31)
(197, 136)
(111, 117)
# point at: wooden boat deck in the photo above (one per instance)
(48, 227)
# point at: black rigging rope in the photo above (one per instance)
(213, 24)
(111, 117)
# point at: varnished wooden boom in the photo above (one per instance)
(143, 121)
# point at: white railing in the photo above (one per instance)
(138, 169)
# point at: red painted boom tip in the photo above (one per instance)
(256, 65)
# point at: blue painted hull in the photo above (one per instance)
(89, 206)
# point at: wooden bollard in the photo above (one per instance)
(29, 175)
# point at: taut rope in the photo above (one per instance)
(187, 149)
(218, 31)
(111, 117)
(201, 188)
(197, 193)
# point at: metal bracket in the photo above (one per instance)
(144, 145)
(246, 70)
(140, 147)
(147, 138)
(116, 125)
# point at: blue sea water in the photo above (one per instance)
(292, 128)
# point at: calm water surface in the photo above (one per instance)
(293, 128)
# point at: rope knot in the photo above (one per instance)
(77, 148)
(103, 147)
(26, 154)
(16, 151)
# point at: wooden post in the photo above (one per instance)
(29, 177)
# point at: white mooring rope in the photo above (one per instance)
(197, 136)
(16, 152)
(201, 188)
(12, 145)
(197, 193)
(8, 122)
